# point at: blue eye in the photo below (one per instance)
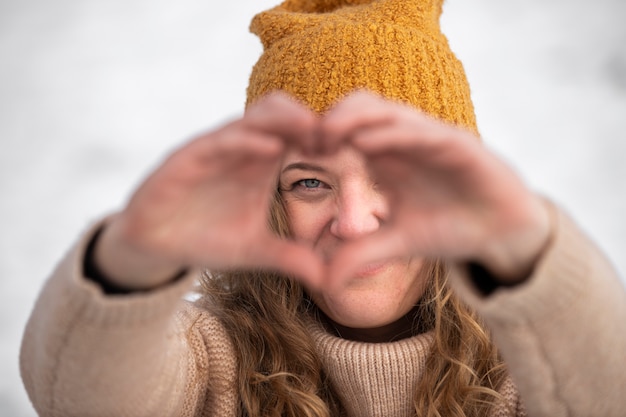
(310, 183)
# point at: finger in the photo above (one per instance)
(358, 111)
(382, 246)
(439, 154)
(279, 114)
(363, 112)
(420, 134)
(268, 127)
(229, 147)
(293, 259)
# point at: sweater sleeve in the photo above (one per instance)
(562, 331)
(85, 353)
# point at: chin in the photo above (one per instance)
(362, 311)
(380, 295)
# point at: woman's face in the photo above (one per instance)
(331, 200)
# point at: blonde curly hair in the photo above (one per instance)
(280, 373)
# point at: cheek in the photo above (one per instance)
(307, 221)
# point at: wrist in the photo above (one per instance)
(122, 267)
(511, 258)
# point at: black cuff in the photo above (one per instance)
(484, 280)
(95, 274)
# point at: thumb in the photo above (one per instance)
(382, 246)
(293, 259)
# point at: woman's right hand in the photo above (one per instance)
(207, 205)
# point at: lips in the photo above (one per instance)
(371, 269)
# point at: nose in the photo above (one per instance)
(360, 210)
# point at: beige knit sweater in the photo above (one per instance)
(562, 334)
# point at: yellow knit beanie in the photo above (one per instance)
(320, 50)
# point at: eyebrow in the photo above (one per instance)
(304, 166)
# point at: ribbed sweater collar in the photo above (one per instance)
(374, 379)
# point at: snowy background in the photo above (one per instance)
(94, 93)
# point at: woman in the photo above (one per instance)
(390, 228)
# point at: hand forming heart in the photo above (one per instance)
(208, 203)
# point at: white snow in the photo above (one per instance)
(94, 93)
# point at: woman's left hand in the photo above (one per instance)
(451, 197)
